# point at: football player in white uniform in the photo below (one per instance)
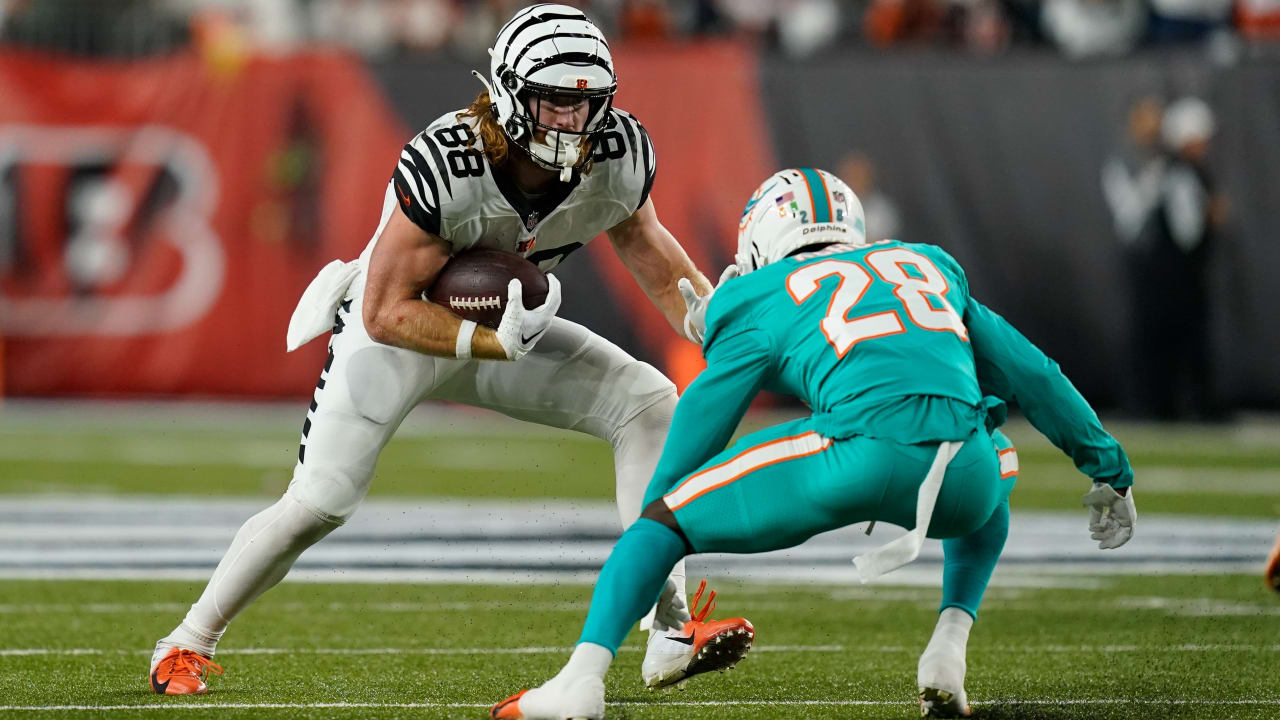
(539, 165)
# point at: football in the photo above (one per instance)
(473, 284)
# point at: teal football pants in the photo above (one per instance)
(780, 486)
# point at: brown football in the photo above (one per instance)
(473, 284)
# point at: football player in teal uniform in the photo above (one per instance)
(907, 377)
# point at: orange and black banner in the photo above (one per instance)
(161, 217)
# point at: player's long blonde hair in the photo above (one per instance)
(491, 135)
(495, 140)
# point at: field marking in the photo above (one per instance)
(676, 703)
(550, 650)
(1186, 606)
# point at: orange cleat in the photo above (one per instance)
(182, 672)
(1272, 574)
(560, 698)
(700, 646)
(508, 709)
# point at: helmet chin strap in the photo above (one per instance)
(570, 150)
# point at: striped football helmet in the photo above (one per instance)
(550, 52)
(794, 208)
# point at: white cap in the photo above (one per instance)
(1186, 120)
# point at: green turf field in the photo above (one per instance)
(1179, 646)
(1216, 470)
(1172, 647)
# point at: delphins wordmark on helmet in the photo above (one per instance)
(554, 53)
(794, 208)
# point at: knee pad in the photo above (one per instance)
(333, 509)
(649, 426)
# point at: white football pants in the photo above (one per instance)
(572, 379)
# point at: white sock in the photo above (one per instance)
(953, 627)
(259, 557)
(943, 660)
(587, 659)
(637, 446)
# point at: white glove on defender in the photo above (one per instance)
(1111, 515)
(521, 328)
(695, 313)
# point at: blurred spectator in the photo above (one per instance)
(893, 22)
(1087, 28)
(644, 20)
(807, 26)
(1131, 175)
(881, 213)
(1169, 261)
(1183, 20)
(1259, 19)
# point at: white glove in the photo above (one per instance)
(1111, 515)
(521, 328)
(695, 312)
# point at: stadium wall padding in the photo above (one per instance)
(160, 218)
(995, 160)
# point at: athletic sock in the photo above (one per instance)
(942, 664)
(969, 561)
(630, 582)
(188, 638)
(260, 555)
(587, 659)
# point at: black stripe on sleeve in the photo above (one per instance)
(427, 218)
(650, 163)
(422, 171)
(439, 162)
(415, 173)
(631, 140)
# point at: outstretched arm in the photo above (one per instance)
(1013, 369)
(657, 262)
(711, 407)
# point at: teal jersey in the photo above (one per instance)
(853, 330)
(880, 340)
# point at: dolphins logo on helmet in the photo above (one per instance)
(794, 208)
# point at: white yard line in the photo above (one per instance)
(551, 650)
(678, 703)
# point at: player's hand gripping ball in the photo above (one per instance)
(473, 284)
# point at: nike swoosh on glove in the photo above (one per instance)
(1111, 515)
(695, 305)
(521, 327)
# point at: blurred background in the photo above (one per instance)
(173, 172)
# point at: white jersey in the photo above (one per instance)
(450, 190)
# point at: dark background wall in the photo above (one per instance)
(999, 163)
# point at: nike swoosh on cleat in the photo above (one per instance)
(682, 640)
(158, 686)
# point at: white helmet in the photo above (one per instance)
(549, 51)
(795, 208)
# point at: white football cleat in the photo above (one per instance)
(574, 698)
(940, 677)
(700, 646)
